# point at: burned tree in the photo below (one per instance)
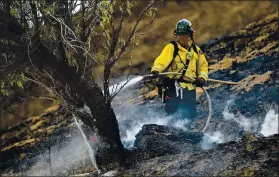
(49, 43)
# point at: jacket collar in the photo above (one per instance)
(181, 48)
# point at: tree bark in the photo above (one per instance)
(111, 153)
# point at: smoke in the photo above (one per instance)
(209, 139)
(136, 125)
(140, 116)
(68, 156)
(64, 158)
(181, 124)
(133, 117)
(72, 154)
(248, 124)
(270, 125)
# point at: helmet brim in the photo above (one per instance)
(189, 31)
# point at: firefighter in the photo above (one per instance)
(184, 56)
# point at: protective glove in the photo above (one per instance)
(155, 74)
(199, 82)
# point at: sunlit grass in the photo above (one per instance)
(210, 19)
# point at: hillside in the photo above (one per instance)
(238, 136)
(210, 19)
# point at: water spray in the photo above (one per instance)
(88, 146)
(125, 84)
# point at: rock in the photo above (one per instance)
(228, 159)
(158, 140)
(261, 159)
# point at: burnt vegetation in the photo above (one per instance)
(49, 43)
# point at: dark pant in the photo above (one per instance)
(184, 108)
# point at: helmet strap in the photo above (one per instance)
(193, 43)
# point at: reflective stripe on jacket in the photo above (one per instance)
(165, 59)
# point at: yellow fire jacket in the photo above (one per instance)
(177, 65)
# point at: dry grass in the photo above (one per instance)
(20, 144)
(30, 108)
(41, 129)
(51, 109)
(225, 63)
(200, 92)
(210, 19)
(258, 52)
(38, 125)
(248, 83)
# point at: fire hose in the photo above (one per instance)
(191, 79)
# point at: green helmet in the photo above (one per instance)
(184, 26)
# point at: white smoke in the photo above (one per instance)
(248, 124)
(209, 139)
(67, 155)
(270, 125)
(181, 124)
(63, 158)
(148, 117)
(134, 116)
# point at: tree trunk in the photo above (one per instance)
(111, 153)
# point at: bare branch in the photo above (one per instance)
(148, 24)
(66, 32)
(53, 82)
(119, 28)
(131, 33)
(28, 49)
(154, 29)
(84, 67)
(112, 58)
(41, 84)
(92, 20)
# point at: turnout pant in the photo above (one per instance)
(184, 108)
